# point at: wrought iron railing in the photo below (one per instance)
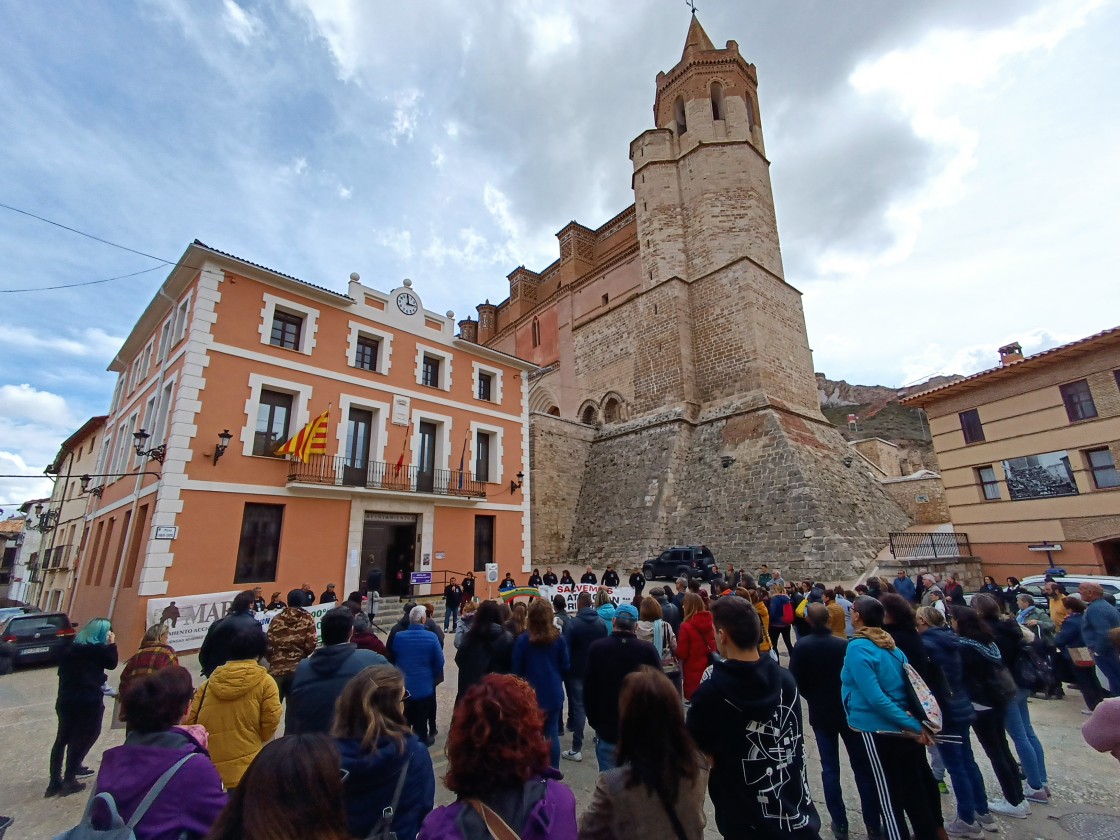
(378, 475)
(937, 546)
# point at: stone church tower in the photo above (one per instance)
(677, 403)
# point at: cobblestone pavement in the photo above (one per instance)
(1083, 781)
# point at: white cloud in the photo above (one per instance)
(25, 403)
(406, 113)
(472, 250)
(551, 31)
(399, 242)
(344, 192)
(926, 83)
(934, 359)
(438, 157)
(91, 342)
(242, 25)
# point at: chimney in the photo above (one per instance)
(1010, 353)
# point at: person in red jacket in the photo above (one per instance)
(697, 640)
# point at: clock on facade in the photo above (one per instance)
(406, 303)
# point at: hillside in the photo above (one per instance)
(880, 415)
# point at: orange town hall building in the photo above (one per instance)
(427, 442)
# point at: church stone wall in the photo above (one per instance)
(603, 353)
(558, 451)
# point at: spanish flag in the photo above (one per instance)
(311, 440)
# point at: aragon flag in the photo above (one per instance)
(311, 440)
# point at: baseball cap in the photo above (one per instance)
(626, 614)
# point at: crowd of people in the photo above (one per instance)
(682, 689)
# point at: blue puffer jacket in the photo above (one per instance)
(372, 781)
(944, 650)
(419, 655)
(873, 684)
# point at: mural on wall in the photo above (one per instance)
(1040, 476)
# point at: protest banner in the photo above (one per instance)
(618, 594)
(190, 616)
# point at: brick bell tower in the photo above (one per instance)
(724, 321)
(725, 443)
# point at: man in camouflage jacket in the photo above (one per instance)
(291, 639)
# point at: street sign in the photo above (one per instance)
(167, 532)
(418, 578)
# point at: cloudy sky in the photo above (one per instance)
(946, 174)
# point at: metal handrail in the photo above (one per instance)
(340, 471)
(931, 546)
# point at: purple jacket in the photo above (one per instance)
(191, 801)
(545, 809)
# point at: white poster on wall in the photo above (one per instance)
(402, 409)
(190, 616)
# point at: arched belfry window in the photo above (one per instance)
(678, 115)
(717, 102)
(750, 112)
(536, 332)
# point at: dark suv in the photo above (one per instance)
(680, 561)
(37, 637)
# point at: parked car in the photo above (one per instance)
(38, 637)
(1034, 583)
(680, 561)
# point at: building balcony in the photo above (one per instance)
(338, 471)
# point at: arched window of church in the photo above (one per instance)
(678, 115)
(612, 411)
(717, 101)
(589, 416)
(536, 332)
(553, 410)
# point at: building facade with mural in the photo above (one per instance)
(1028, 453)
(676, 401)
(426, 443)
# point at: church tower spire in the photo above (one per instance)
(697, 38)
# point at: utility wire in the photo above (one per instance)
(86, 235)
(161, 260)
(86, 283)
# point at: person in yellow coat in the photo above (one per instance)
(239, 706)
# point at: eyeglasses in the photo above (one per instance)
(406, 696)
(344, 774)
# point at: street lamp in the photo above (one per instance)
(91, 491)
(223, 443)
(156, 453)
(47, 519)
(514, 486)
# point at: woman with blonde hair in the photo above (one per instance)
(379, 754)
(541, 657)
(154, 654)
(697, 642)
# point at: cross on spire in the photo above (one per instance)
(692, 5)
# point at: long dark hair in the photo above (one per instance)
(971, 626)
(649, 703)
(291, 791)
(899, 611)
(487, 614)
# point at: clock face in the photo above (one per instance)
(406, 303)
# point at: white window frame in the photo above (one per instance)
(300, 413)
(132, 459)
(445, 358)
(307, 332)
(182, 319)
(384, 349)
(166, 397)
(381, 413)
(497, 449)
(164, 339)
(146, 367)
(496, 383)
(443, 440)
